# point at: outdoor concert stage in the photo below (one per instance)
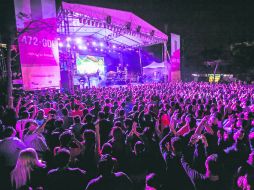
(95, 47)
(104, 43)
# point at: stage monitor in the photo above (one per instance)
(89, 65)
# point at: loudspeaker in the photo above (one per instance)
(128, 25)
(108, 19)
(138, 29)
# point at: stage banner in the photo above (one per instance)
(38, 45)
(175, 59)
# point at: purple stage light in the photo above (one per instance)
(68, 45)
(58, 39)
(114, 46)
(78, 40)
(68, 39)
(96, 49)
(82, 47)
(101, 50)
(101, 44)
(60, 44)
(94, 43)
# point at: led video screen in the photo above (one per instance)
(87, 64)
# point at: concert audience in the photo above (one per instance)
(152, 136)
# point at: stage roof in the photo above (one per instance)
(110, 25)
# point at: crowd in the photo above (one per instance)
(179, 136)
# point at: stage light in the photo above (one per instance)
(109, 51)
(101, 44)
(82, 47)
(58, 39)
(68, 39)
(96, 49)
(60, 44)
(68, 45)
(94, 43)
(114, 46)
(101, 50)
(78, 40)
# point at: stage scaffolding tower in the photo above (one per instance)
(66, 54)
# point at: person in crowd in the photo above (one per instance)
(29, 172)
(168, 130)
(40, 117)
(10, 148)
(212, 178)
(68, 121)
(77, 128)
(33, 138)
(107, 179)
(64, 177)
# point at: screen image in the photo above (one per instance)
(87, 64)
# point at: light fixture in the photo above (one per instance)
(78, 40)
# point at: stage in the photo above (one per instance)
(88, 46)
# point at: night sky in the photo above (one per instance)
(202, 24)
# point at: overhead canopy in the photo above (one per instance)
(154, 65)
(114, 26)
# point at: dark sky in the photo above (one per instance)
(201, 23)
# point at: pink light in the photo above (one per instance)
(78, 40)
(101, 50)
(68, 39)
(82, 47)
(114, 46)
(68, 45)
(96, 49)
(101, 44)
(58, 39)
(60, 44)
(94, 43)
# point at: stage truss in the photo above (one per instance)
(111, 26)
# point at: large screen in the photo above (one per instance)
(87, 64)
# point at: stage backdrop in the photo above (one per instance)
(175, 58)
(38, 46)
